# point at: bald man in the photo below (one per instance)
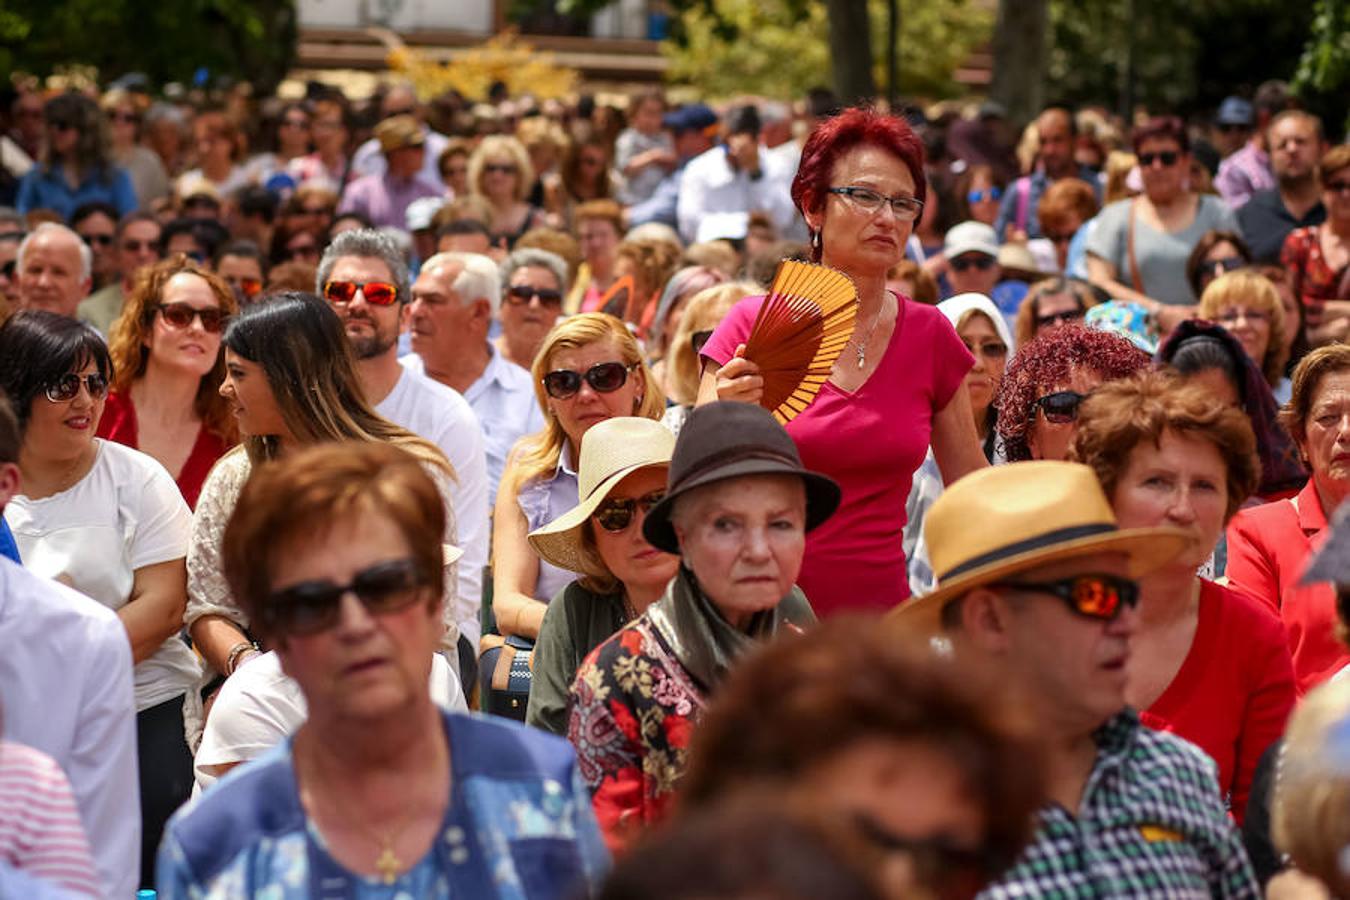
(55, 270)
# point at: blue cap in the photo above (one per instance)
(1234, 111)
(691, 117)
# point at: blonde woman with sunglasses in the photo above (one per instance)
(589, 369)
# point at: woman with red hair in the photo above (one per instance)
(899, 384)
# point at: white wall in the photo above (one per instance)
(473, 16)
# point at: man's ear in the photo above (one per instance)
(482, 309)
(986, 619)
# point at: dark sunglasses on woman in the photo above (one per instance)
(1060, 408)
(604, 378)
(981, 262)
(377, 293)
(180, 315)
(615, 515)
(67, 387)
(1093, 596)
(314, 606)
(1059, 318)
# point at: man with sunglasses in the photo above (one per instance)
(1036, 584)
(364, 278)
(136, 245)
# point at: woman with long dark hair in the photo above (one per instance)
(75, 168)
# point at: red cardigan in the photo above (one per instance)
(1268, 548)
(1234, 690)
(119, 424)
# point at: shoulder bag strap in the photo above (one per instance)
(1136, 282)
(1023, 201)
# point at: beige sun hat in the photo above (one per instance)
(610, 451)
(999, 521)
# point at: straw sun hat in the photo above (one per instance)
(1000, 521)
(610, 451)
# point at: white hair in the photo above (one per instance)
(53, 228)
(478, 277)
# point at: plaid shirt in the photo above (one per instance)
(1151, 824)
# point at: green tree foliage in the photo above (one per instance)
(1324, 69)
(251, 40)
(779, 48)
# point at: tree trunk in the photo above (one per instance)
(892, 52)
(851, 50)
(1019, 57)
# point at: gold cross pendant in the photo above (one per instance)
(388, 865)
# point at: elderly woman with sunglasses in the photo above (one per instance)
(899, 385)
(1139, 248)
(737, 508)
(534, 283)
(335, 552)
(1048, 379)
(622, 475)
(1206, 662)
(108, 521)
(168, 366)
(589, 369)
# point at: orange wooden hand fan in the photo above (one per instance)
(803, 326)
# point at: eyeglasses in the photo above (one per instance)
(1060, 408)
(616, 515)
(131, 245)
(1060, 318)
(992, 193)
(606, 378)
(67, 387)
(1216, 267)
(314, 606)
(62, 125)
(130, 118)
(988, 349)
(521, 294)
(377, 293)
(500, 168)
(1235, 314)
(700, 338)
(1166, 157)
(906, 209)
(180, 315)
(248, 287)
(981, 262)
(103, 240)
(1337, 187)
(1093, 596)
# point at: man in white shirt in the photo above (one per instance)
(454, 300)
(364, 277)
(737, 177)
(65, 689)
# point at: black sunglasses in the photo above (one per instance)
(602, 377)
(103, 240)
(314, 606)
(1166, 157)
(699, 339)
(1093, 596)
(67, 387)
(521, 294)
(979, 262)
(1060, 408)
(1059, 318)
(616, 515)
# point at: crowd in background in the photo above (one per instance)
(332, 420)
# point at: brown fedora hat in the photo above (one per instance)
(1003, 520)
(727, 440)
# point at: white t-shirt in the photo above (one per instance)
(125, 514)
(259, 706)
(441, 415)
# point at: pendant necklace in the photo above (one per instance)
(860, 347)
(388, 866)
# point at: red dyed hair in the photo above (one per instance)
(1048, 361)
(836, 136)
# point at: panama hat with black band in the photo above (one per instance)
(998, 522)
(726, 440)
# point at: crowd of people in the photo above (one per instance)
(325, 423)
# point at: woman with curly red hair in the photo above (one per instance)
(167, 370)
(899, 384)
(1047, 380)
